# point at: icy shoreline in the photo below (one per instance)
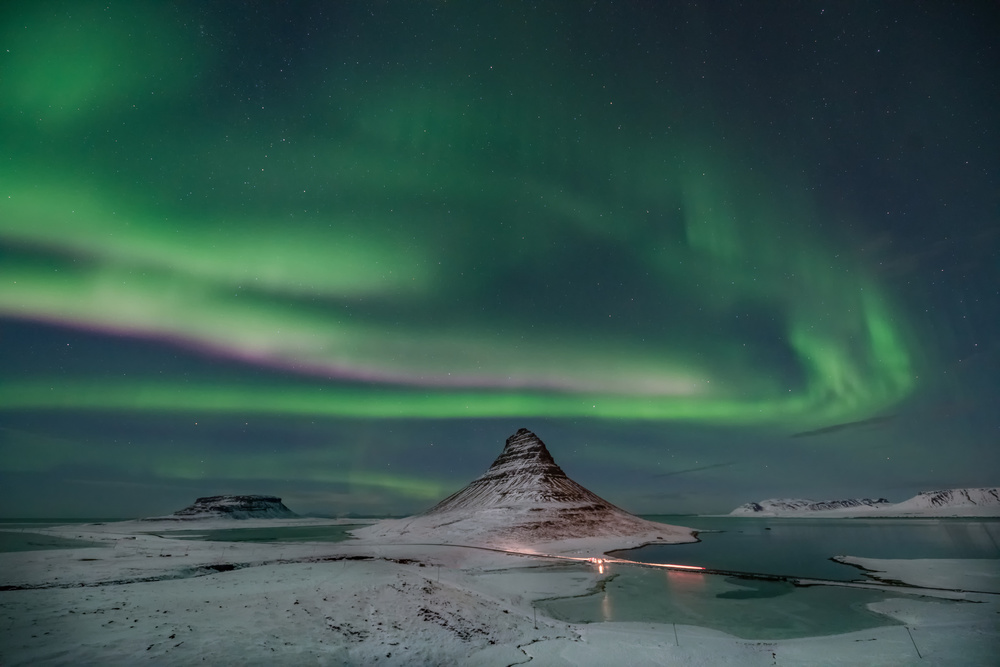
(141, 597)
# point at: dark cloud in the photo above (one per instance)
(697, 469)
(863, 423)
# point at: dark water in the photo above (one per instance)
(14, 524)
(756, 609)
(803, 547)
(278, 534)
(13, 540)
(13, 537)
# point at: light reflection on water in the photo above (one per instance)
(751, 609)
(685, 583)
(607, 612)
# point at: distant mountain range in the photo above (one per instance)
(231, 507)
(949, 502)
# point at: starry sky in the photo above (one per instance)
(337, 252)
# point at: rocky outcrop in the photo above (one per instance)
(231, 507)
(524, 498)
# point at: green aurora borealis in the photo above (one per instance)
(452, 220)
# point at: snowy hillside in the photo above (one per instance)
(524, 499)
(985, 498)
(776, 506)
(949, 502)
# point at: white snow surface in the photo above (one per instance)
(981, 502)
(978, 575)
(141, 598)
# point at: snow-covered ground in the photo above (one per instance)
(980, 575)
(143, 598)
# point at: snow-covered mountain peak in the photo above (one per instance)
(524, 453)
(525, 476)
(524, 498)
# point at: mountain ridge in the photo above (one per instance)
(981, 501)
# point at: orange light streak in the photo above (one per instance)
(599, 562)
(678, 567)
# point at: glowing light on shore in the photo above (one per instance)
(601, 562)
(676, 567)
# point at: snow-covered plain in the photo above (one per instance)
(141, 598)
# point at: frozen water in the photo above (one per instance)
(751, 609)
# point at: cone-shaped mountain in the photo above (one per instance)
(524, 474)
(525, 499)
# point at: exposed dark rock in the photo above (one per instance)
(231, 507)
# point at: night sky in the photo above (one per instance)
(709, 252)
